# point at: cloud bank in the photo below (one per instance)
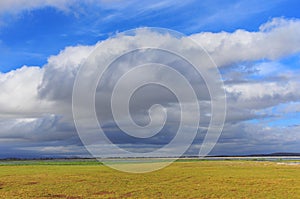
(35, 102)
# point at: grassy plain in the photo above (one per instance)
(182, 179)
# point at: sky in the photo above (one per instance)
(43, 45)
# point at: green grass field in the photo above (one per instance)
(183, 179)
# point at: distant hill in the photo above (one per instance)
(277, 154)
(261, 155)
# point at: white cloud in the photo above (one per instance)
(264, 94)
(19, 94)
(43, 94)
(60, 72)
(276, 38)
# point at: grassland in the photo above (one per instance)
(182, 179)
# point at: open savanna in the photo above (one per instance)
(182, 179)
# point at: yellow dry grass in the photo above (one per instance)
(197, 179)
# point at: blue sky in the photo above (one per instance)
(254, 43)
(30, 36)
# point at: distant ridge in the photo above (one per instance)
(277, 154)
(261, 155)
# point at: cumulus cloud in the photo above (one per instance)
(35, 102)
(19, 92)
(263, 95)
(45, 128)
(275, 39)
(60, 72)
